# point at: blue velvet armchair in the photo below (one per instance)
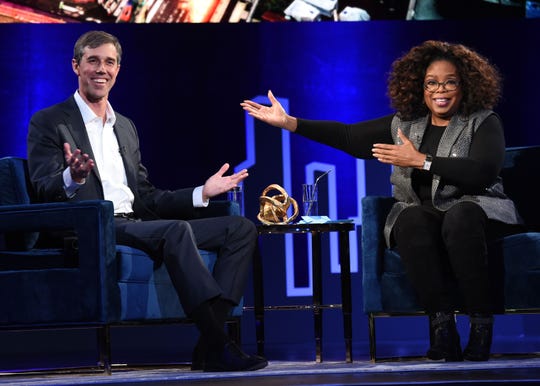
(386, 289)
(89, 281)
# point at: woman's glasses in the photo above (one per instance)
(433, 85)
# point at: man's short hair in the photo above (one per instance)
(95, 39)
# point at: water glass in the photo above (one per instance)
(236, 195)
(309, 200)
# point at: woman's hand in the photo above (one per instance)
(404, 155)
(274, 115)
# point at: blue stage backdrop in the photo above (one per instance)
(182, 85)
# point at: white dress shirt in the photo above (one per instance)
(109, 161)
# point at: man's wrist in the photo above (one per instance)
(198, 197)
(71, 186)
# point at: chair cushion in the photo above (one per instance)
(146, 289)
(397, 294)
(522, 269)
(135, 266)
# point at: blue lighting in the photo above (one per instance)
(36, 62)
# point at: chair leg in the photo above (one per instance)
(104, 346)
(372, 338)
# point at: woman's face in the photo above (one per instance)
(442, 91)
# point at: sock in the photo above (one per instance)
(222, 308)
(210, 327)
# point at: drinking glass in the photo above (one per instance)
(236, 195)
(309, 199)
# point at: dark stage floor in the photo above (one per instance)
(289, 363)
(505, 370)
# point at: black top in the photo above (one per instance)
(472, 174)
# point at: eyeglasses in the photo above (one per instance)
(433, 85)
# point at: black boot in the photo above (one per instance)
(480, 337)
(444, 338)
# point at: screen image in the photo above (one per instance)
(236, 11)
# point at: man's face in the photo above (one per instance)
(97, 72)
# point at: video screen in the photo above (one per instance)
(252, 11)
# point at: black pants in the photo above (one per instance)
(445, 256)
(176, 244)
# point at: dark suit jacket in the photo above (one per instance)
(51, 127)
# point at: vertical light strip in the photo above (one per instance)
(310, 171)
(287, 185)
(292, 290)
(331, 181)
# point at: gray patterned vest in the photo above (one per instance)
(455, 142)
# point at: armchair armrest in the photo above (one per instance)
(93, 221)
(374, 212)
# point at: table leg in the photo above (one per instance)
(317, 293)
(346, 298)
(258, 300)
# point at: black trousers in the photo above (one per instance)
(445, 256)
(176, 244)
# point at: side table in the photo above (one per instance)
(343, 227)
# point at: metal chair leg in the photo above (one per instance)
(104, 346)
(372, 338)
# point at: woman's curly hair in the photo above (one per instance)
(480, 81)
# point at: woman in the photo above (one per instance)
(447, 148)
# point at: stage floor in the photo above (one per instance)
(504, 370)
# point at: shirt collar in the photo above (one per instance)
(88, 115)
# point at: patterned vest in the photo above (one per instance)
(455, 142)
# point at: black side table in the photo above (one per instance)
(343, 228)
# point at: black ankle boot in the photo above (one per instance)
(480, 337)
(444, 338)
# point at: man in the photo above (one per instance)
(81, 149)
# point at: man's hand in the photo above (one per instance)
(80, 165)
(404, 155)
(218, 183)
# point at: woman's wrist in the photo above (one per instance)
(290, 123)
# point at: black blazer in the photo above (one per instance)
(51, 127)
